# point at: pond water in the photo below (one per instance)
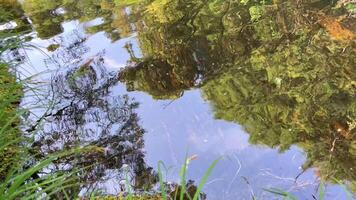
(267, 86)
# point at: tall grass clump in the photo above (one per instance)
(21, 176)
(181, 191)
(10, 94)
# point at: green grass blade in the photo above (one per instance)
(321, 191)
(130, 196)
(205, 178)
(20, 179)
(33, 186)
(281, 193)
(182, 175)
(65, 194)
(162, 186)
(59, 188)
(48, 186)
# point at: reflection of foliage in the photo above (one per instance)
(53, 47)
(70, 49)
(287, 103)
(348, 5)
(48, 15)
(10, 10)
(86, 114)
(286, 80)
(178, 53)
(44, 17)
(156, 77)
(295, 91)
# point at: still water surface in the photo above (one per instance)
(268, 86)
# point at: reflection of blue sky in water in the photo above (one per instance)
(187, 124)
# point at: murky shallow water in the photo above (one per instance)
(270, 87)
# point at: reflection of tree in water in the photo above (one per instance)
(70, 51)
(278, 70)
(89, 115)
(161, 82)
(187, 51)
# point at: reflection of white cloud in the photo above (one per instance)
(222, 141)
(7, 26)
(72, 26)
(60, 11)
(113, 64)
(95, 22)
(235, 139)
